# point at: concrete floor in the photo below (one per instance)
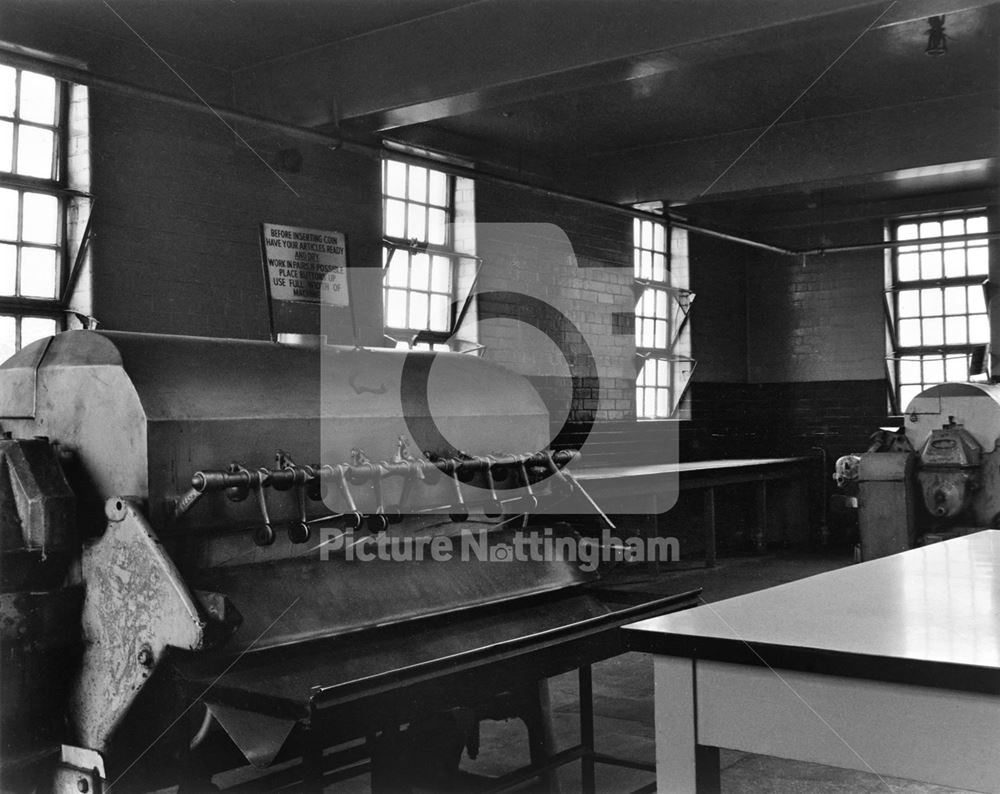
(623, 706)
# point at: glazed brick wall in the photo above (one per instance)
(821, 318)
(733, 420)
(578, 260)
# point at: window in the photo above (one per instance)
(417, 210)
(32, 228)
(939, 301)
(660, 318)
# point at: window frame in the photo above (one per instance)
(903, 354)
(426, 337)
(655, 357)
(28, 307)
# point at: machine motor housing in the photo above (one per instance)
(950, 463)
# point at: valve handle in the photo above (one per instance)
(299, 532)
(265, 535)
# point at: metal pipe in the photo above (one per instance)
(480, 176)
(732, 238)
(14, 56)
(925, 241)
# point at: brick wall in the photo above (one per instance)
(179, 200)
(719, 272)
(818, 319)
(578, 260)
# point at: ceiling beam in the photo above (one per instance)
(817, 150)
(494, 51)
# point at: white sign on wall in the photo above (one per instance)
(305, 265)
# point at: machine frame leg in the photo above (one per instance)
(587, 762)
(710, 527)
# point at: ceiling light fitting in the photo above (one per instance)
(937, 40)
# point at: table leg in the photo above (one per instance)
(588, 783)
(675, 727)
(710, 527)
(760, 534)
(707, 773)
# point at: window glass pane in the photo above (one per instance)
(953, 227)
(440, 313)
(909, 267)
(39, 223)
(420, 266)
(933, 370)
(8, 213)
(662, 408)
(907, 231)
(416, 222)
(38, 98)
(441, 274)
(6, 145)
(979, 261)
(647, 234)
(8, 269)
(909, 370)
(649, 403)
(977, 225)
(955, 332)
(395, 218)
(661, 304)
(957, 368)
(661, 333)
(38, 272)
(659, 267)
(395, 308)
(648, 334)
(396, 275)
(8, 331)
(933, 331)
(979, 329)
(437, 226)
(8, 74)
(909, 303)
(954, 300)
(659, 243)
(930, 302)
(907, 393)
(930, 229)
(437, 192)
(417, 190)
(930, 264)
(646, 265)
(909, 333)
(34, 151)
(35, 328)
(954, 263)
(418, 310)
(977, 300)
(636, 267)
(395, 178)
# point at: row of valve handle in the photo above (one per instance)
(525, 471)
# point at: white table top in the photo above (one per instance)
(584, 473)
(929, 616)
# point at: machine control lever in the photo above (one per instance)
(264, 535)
(298, 531)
